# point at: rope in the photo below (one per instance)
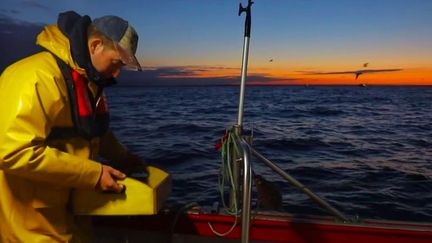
(177, 216)
(226, 178)
(225, 233)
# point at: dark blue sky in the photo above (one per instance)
(299, 35)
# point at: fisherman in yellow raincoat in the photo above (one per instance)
(54, 125)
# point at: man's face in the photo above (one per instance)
(106, 60)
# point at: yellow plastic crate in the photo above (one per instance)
(140, 198)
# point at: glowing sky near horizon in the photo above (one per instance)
(299, 35)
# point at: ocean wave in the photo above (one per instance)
(367, 151)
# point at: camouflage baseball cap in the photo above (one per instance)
(123, 35)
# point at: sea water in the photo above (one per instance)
(365, 150)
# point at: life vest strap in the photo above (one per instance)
(89, 119)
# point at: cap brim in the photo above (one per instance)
(128, 58)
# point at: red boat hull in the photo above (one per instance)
(276, 228)
(285, 230)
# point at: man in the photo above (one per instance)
(54, 125)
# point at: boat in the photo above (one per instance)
(194, 226)
(191, 223)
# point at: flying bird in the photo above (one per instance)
(365, 64)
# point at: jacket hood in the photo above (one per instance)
(68, 40)
(53, 40)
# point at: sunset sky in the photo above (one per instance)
(200, 41)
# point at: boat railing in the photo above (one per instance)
(247, 188)
(245, 156)
(325, 205)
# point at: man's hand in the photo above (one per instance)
(107, 181)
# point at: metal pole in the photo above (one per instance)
(247, 185)
(300, 186)
(243, 81)
(244, 59)
(239, 126)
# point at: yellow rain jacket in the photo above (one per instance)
(37, 174)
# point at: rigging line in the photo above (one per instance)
(225, 233)
(226, 175)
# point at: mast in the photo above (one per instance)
(246, 150)
(244, 60)
(238, 127)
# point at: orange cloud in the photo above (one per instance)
(410, 76)
(222, 75)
